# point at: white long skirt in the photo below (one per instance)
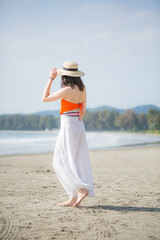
(71, 161)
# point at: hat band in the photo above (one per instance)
(70, 69)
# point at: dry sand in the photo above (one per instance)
(126, 203)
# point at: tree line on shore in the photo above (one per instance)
(94, 121)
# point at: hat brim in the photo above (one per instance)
(62, 72)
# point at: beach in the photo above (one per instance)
(126, 205)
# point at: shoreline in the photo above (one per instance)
(133, 146)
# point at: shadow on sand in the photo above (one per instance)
(122, 208)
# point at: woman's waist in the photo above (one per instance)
(72, 113)
(69, 117)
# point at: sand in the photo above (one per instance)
(126, 203)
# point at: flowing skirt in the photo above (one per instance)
(71, 161)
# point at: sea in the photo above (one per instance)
(36, 142)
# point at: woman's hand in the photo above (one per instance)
(53, 73)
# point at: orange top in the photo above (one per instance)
(67, 106)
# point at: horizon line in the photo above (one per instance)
(86, 109)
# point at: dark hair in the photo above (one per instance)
(71, 81)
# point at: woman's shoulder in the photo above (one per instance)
(67, 87)
(74, 88)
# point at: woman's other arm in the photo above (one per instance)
(84, 105)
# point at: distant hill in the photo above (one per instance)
(105, 108)
(145, 108)
(138, 110)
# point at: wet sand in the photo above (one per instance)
(126, 203)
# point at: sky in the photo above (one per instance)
(116, 44)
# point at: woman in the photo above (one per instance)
(71, 160)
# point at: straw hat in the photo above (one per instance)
(70, 69)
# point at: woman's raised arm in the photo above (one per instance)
(47, 97)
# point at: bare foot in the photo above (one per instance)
(70, 202)
(81, 194)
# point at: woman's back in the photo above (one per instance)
(75, 95)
